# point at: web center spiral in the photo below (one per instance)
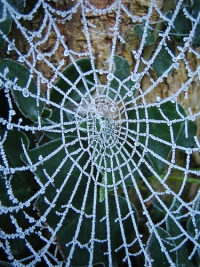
(102, 121)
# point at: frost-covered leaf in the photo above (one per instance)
(193, 229)
(149, 39)
(18, 5)
(47, 113)
(23, 88)
(162, 62)
(22, 184)
(195, 11)
(159, 246)
(62, 192)
(182, 25)
(196, 38)
(183, 253)
(116, 166)
(69, 84)
(158, 137)
(121, 71)
(52, 130)
(5, 26)
(195, 8)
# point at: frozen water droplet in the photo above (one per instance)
(110, 76)
(26, 128)
(108, 169)
(25, 92)
(136, 144)
(12, 170)
(12, 112)
(9, 126)
(137, 55)
(7, 85)
(137, 85)
(21, 59)
(158, 98)
(185, 88)
(18, 16)
(6, 171)
(173, 100)
(66, 53)
(100, 71)
(134, 77)
(40, 57)
(43, 80)
(176, 65)
(43, 219)
(181, 55)
(40, 157)
(130, 93)
(105, 107)
(11, 46)
(113, 109)
(186, 95)
(39, 35)
(33, 168)
(189, 151)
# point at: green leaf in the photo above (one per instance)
(81, 256)
(5, 26)
(22, 185)
(18, 5)
(117, 166)
(23, 88)
(195, 13)
(71, 73)
(196, 38)
(182, 25)
(175, 232)
(149, 39)
(46, 113)
(193, 229)
(162, 62)
(157, 253)
(54, 125)
(4, 263)
(122, 72)
(13, 146)
(21, 181)
(55, 161)
(159, 136)
(195, 8)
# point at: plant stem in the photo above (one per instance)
(178, 178)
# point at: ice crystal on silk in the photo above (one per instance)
(99, 136)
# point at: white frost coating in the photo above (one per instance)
(114, 150)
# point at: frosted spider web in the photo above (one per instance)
(80, 210)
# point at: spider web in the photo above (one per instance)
(94, 196)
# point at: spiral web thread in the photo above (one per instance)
(114, 133)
